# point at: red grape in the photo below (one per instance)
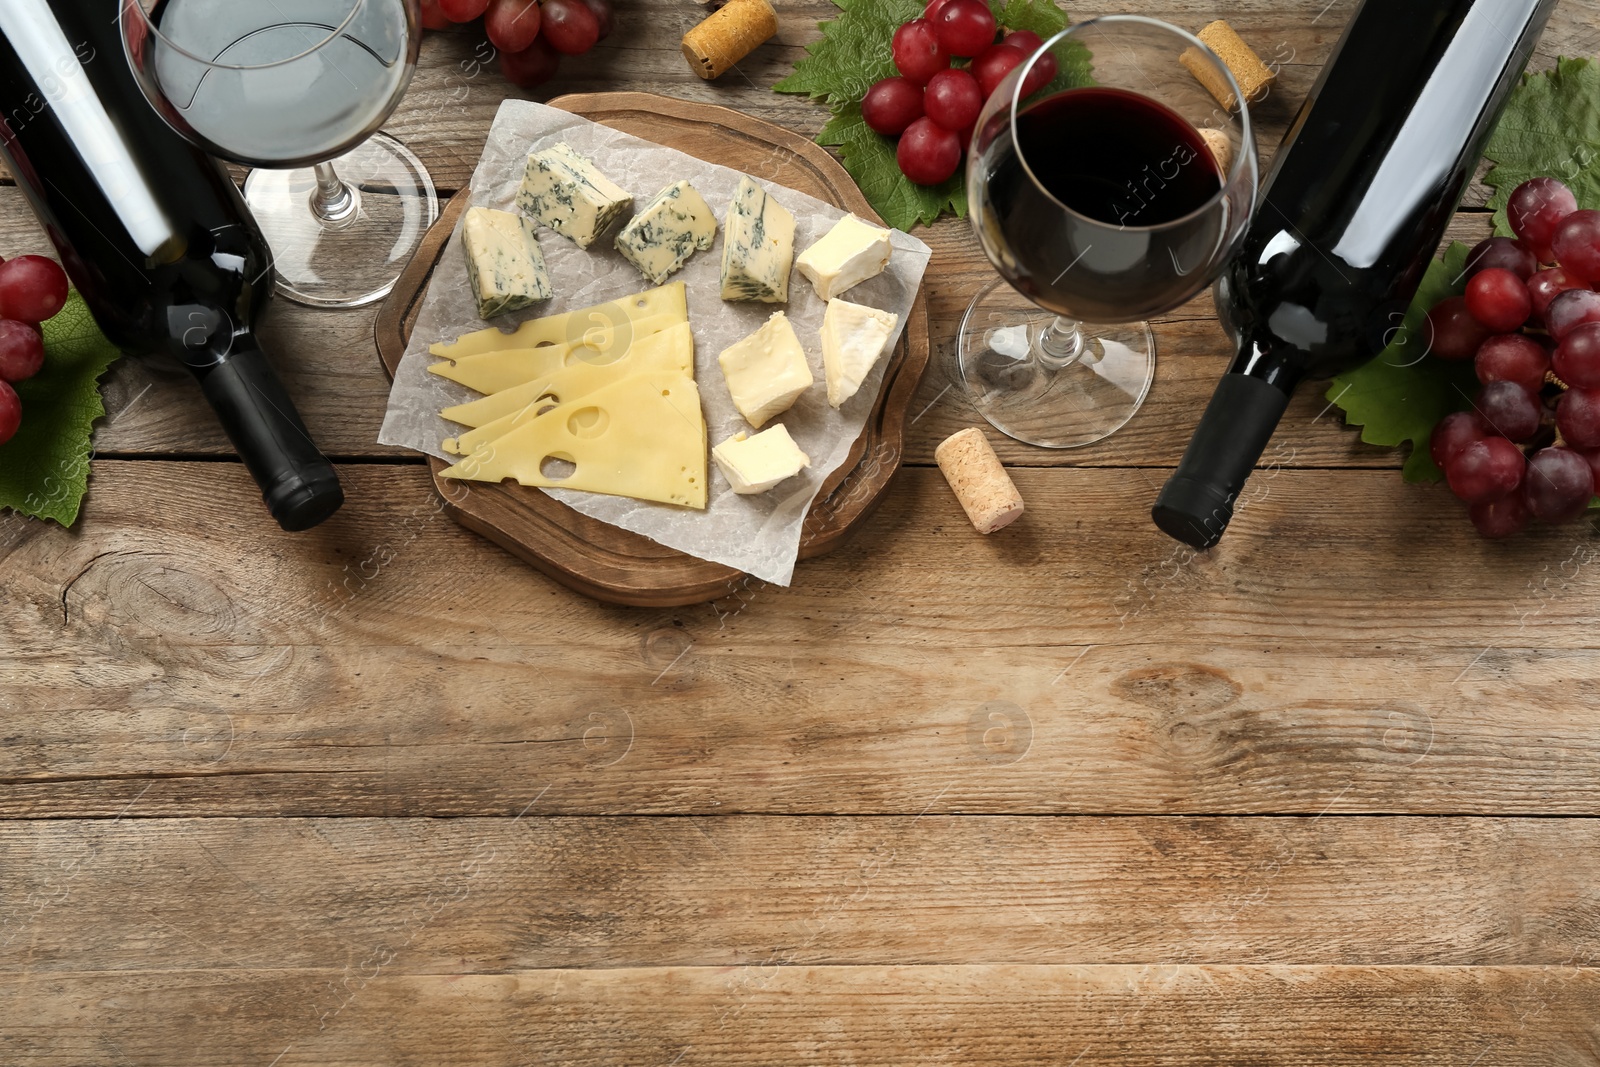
(1510, 410)
(1026, 40)
(569, 26)
(1559, 485)
(1453, 433)
(432, 17)
(1535, 209)
(1577, 245)
(10, 412)
(1043, 73)
(917, 51)
(1499, 519)
(603, 14)
(1513, 357)
(1578, 418)
(512, 25)
(32, 289)
(992, 66)
(1490, 469)
(933, 8)
(462, 10)
(1452, 331)
(1571, 309)
(1501, 252)
(21, 351)
(953, 100)
(892, 105)
(1547, 285)
(1577, 358)
(928, 153)
(965, 27)
(531, 67)
(1499, 299)
(1593, 459)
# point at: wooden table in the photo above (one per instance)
(381, 794)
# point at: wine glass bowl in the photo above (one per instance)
(298, 90)
(1100, 206)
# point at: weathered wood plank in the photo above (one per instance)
(1002, 1014)
(1325, 657)
(492, 895)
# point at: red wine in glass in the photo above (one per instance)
(1123, 166)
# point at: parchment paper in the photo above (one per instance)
(756, 534)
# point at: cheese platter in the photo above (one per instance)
(598, 557)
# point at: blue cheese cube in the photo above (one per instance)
(504, 262)
(564, 191)
(671, 228)
(758, 247)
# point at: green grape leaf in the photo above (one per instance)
(1551, 128)
(44, 469)
(854, 53)
(1404, 391)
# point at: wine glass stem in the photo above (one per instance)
(334, 201)
(1060, 344)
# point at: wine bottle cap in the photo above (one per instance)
(299, 503)
(1193, 511)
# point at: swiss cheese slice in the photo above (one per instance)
(666, 354)
(667, 304)
(491, 372)
(642, 437)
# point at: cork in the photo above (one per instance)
(1253, 76)
(1221, 148)
(728, 35)
(985, 490)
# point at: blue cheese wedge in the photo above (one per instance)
(767, 371)
(758, 247)
(503, 261)
(852, 252)
(564, 191)
(755, 464)
(671, 228)
(854, 338)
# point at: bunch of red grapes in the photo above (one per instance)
(32, 290)
(933, 105)
(530, 35)
(1529, 448)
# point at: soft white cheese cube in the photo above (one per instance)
(757, 247)
(667, 231)
(503, 261)
(755, 464)
(854, 338)
(767, 371)
(565, 192)
(852, 252)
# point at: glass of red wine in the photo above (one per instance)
(1101, 207)
(297, 89)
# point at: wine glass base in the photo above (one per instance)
(355, 260)
(1027, 397)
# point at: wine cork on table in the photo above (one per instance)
(1221, 148)
(728, 35)
(985, 490)
(1254, 77)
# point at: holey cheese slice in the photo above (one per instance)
(666, 305)
(666, 354)
(643, 437)
(492, 372)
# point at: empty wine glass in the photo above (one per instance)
(1100, 207)
(302, 85)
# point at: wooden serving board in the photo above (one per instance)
(615, 565)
